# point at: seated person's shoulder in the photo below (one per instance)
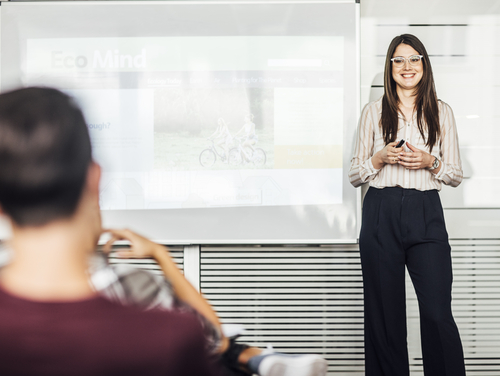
(95, 335)
(166, 337)
(173, 322)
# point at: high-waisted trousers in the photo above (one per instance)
(405, 227)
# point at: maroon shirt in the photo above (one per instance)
(96, 337)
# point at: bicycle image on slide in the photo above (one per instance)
(241, 154)
(244, 152)
(194, 128)
(209, 156)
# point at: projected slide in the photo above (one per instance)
(216, 121)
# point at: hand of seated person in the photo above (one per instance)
(140, 247)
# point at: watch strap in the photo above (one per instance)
(436, 164)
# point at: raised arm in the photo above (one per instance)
(141, 247)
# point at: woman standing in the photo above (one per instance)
(403, 222)
(222, 138)
(249, 136)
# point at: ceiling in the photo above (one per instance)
(417, 9)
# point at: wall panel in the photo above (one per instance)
(177, 253)
(298, 299)
(309, 300)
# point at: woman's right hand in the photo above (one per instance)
(388, 155)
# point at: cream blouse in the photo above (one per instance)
(369, 140)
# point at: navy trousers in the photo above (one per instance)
(405, 227)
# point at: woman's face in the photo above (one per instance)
(408, 76)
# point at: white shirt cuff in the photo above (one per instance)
(370, 167)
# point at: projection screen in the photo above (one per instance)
(214, 122)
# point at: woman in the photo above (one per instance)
(403, 221)
(249, 136)
(222, 138)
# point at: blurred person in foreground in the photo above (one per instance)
(52, 321)
(45, 165)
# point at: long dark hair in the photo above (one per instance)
(425, 96)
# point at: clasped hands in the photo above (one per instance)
(415, 160)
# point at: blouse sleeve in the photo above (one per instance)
(362, 170)
(451, 170)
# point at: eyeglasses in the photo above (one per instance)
(413, 60)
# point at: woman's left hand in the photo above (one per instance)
(416, 160)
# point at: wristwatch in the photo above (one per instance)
(435, 164)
